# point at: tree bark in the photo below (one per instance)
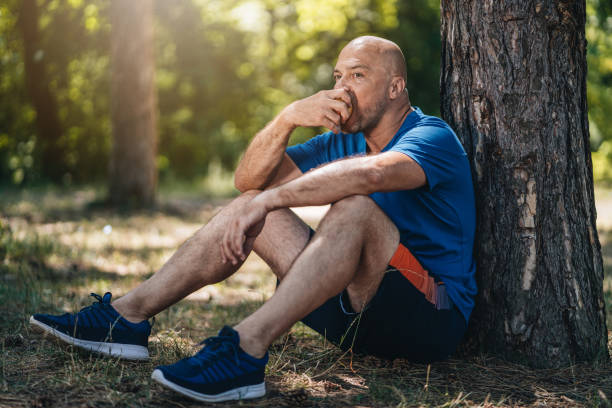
(47, 119)
(513, 86)
(133, 174)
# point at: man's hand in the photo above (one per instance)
(243, 229)
(329, 108)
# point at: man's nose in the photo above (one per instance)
(342, 84)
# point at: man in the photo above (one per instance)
(389, 271)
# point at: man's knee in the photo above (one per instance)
(353, 204)
(358, 207)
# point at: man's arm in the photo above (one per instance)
(265, 162)
(384, 172)
(265, 159)
(390, 171)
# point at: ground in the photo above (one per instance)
(57, 246)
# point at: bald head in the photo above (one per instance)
(390, 54)
(372, 71)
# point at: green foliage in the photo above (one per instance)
(418, 35)
(224, 68)
(74, 42)
(17, 130)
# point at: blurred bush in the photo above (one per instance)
(225, 68)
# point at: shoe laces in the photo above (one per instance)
(105, 301)
(99, 298)
(213, 346)
(102, 301)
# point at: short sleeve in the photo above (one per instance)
(436, 149)
(310, 154)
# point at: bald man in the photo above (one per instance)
(388, 272)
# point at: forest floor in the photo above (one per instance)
(56, 247)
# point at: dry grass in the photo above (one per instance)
(58, 250)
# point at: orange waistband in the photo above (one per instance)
(411, 268)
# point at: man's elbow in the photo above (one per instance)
(244, 183)
(240, 183)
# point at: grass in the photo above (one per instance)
(55, 248)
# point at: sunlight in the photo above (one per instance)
(251, 16)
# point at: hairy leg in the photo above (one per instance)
(283, 238)
(198, 261)
(351, 249)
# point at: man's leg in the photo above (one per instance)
(351, 249)
(198, 261)
(122, 329)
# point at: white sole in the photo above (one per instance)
(125, 351)
(246, 392)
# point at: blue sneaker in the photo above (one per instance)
(221, 371)
(99, 328)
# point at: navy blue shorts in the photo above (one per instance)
(410, 316)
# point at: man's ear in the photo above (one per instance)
(396, 87)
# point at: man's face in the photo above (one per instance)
(363, 76)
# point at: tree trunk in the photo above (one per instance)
(45, 105)
(513, 86)
(133, 174)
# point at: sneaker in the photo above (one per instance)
(221, 371)
(99, 328)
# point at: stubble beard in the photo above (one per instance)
(367, 119)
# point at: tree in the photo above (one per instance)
(513, 86)
(47, 120)
(133, 174)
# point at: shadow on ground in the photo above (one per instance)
(304, 370)
(40, 274)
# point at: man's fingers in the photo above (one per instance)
(342, 109)
(341, 94)
(224, 252)
(223, 258)
(236, 241)
(235, 257)
(331, 125)
(227, 240)
(236, 245)
(333, 116)
(227, 250)
(309, 111)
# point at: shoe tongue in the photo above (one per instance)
(107, 297)
(227, 331)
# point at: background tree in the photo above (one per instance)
(210, 54)
(513, 86)
(48, 124)
(133, 173)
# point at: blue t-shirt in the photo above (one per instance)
(436, 222)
